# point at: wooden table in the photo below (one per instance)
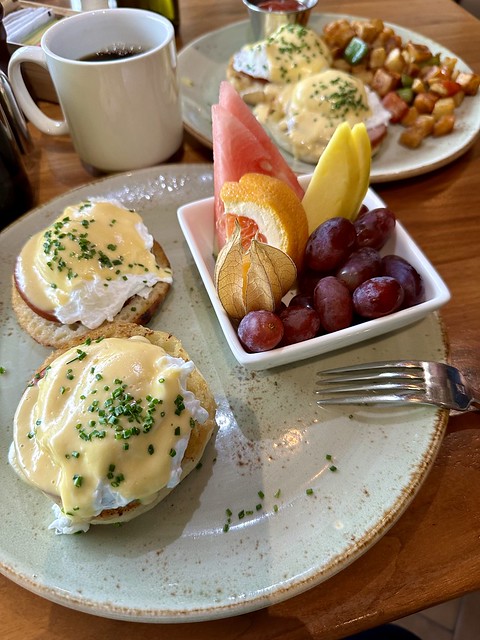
(433, 553)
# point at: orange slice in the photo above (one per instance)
(268, 207)
(248, 229)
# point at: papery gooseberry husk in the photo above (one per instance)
(252, 279)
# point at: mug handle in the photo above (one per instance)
(34, 114)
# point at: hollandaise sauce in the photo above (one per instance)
(295, 51)
(306, 114)
(289, 54)
(106, 424)
(85, 265)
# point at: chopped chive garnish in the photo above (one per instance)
(77, 480)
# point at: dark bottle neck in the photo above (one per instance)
(4, 52)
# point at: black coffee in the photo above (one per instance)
(113, 52)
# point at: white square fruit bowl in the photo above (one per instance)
(197, 223)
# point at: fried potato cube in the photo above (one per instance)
(383, 81)
(458, 98)
(425, 122)
(412, 137)
(394, 42)
(444, 125)
(338, 33)
(469, 82)
(364, 74)
(410, 117)
(441, 88)
(443, 106)
(418, 86)
(449, 64)
(395, 61)
(417, 52)
(430, 73)
(378, 55)
(412, 68)
(342, 64)
(383, 37)
(367, 30)
(424, 102)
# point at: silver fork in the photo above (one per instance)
(397, 383)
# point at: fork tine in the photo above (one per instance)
(406, 374)
(372, 386)
(387, 382)
(371, 399)
(330, 377)
(384, 364)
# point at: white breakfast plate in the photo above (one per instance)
(175, 563)
(202, 66)
(196, 220)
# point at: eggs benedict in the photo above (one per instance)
(290, 54)
(302, 117)
(300, 99)
(109, 426)
(81, 271)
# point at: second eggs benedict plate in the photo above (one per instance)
(203, 64)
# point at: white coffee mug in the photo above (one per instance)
(123, 113)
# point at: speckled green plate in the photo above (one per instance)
(176, 563)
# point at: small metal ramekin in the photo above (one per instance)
(265, 21)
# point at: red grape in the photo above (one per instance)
(307, 281)
(333, 302)
(330, 244)
(374, 227)
(361, 265)
(378, 297)
(260, 330)
(408, 276)
(301, 300)
(299, 324)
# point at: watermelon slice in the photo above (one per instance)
(240, 146)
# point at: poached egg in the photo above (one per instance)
(302, 117)
(87, 264)
(291, 53)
